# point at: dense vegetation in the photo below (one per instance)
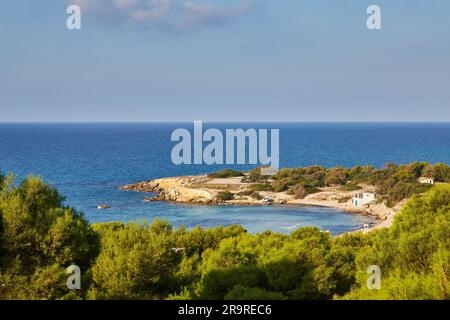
(394, 183)
(40, 237)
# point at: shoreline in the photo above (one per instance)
(201, 190)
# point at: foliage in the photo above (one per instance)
(413, 255)
(224, 196)
(260, 187)
(350, 187)
(300, 191)
(336, 176)
(226, 173)
(394, 183)
(255, 176)
(39, 239)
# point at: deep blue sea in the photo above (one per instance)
(89, 162)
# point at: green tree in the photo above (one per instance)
(336, 176)
(40, 237)
(413, 254)
(136, 261)
(442, 172)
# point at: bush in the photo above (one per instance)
(403, 190)
(344, 199)
(442, 172)
(224, 196)
(350, 187)
(245, 293)
(255, 176)
(245, 193)
(336, 176)
(226, 173)
(300, 191)
(360, 173)
(255, 195)
(280, 186)
(260, 187)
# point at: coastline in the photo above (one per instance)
(202, 190)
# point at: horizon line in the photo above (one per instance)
(229, 121)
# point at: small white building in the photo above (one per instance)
(426, 180)
(362, 198)
(366, 227)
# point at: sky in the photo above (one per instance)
(234, 60)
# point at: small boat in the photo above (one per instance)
(103, 206)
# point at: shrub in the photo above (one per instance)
(344, 199)
(300, 191)
(260, 187)
(360, 173)
(224, 196)
(249, 193)
(245, 193)
(429, 171)
(255, 195)
(350, 187)
(245, 293)
(336, 176)
(442, 172)
(280, 186)
(226, 173)
(255, 176)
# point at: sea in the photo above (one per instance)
(89, 162)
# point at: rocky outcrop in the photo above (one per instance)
(180, 194)
(146, 186)
(179, 189)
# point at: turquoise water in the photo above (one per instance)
(89, 162)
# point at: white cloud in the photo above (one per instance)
(194, 14)
(170, 14)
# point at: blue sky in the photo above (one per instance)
(235, 60)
